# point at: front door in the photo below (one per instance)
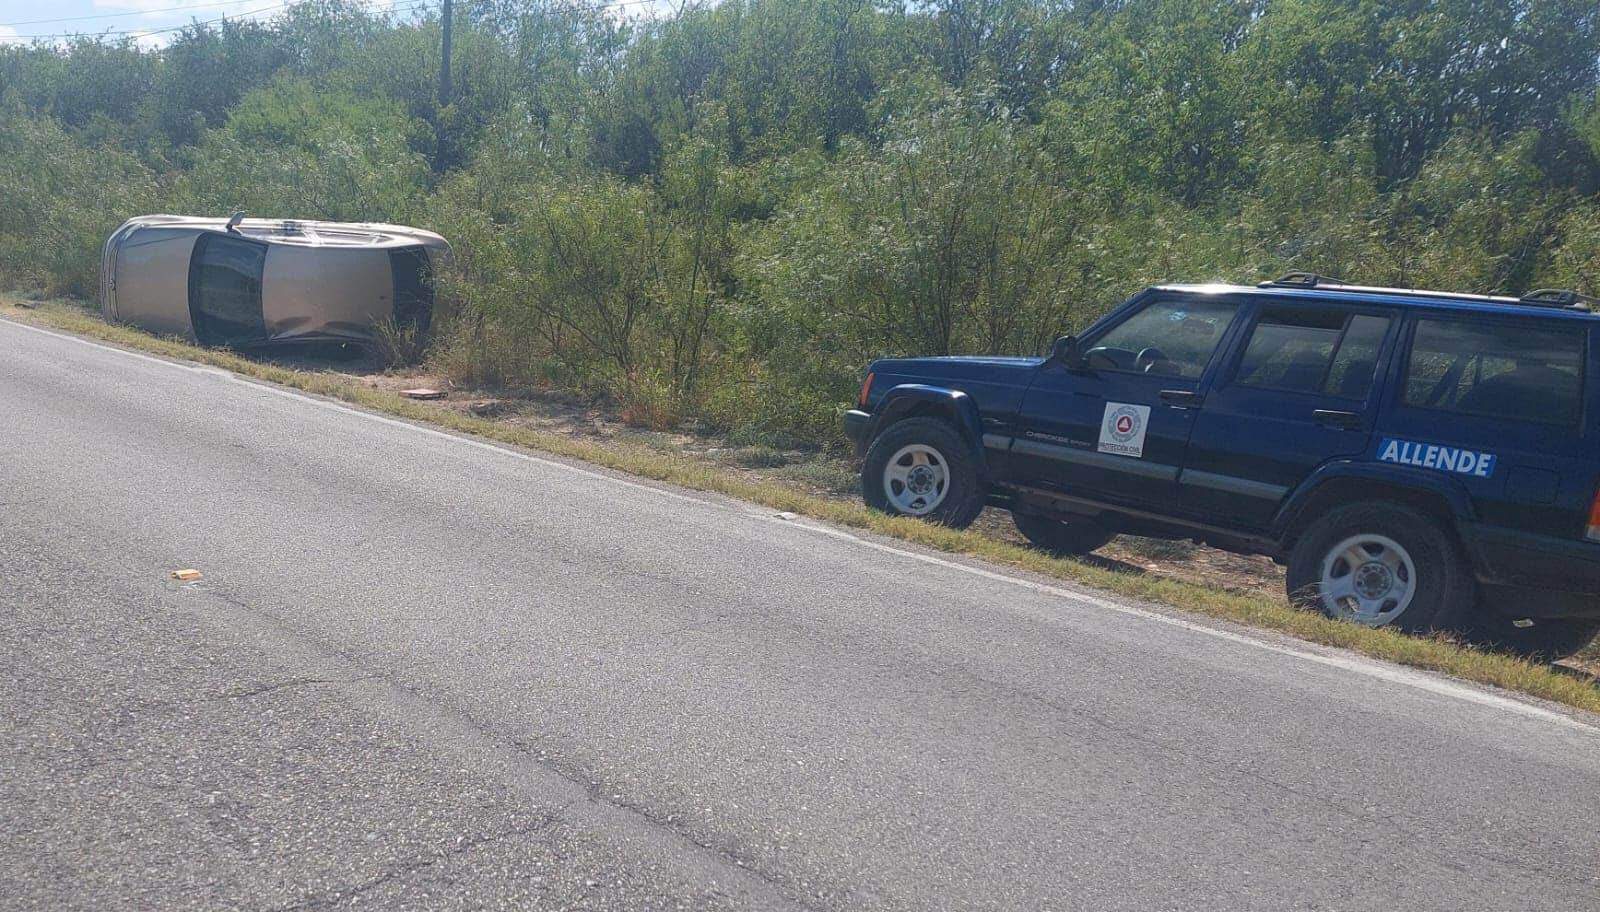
(1297, 395)
(1114, 429)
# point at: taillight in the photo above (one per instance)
(1592, 532)
(866, 388)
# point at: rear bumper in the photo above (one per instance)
(857, 425)
(1570, 569)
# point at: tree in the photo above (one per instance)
(61, 200)
(294, 150)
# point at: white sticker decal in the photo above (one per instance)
(1122, 429)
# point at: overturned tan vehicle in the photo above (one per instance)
(242, 282)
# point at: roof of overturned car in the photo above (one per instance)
(245, 281)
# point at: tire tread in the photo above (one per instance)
(1444, 605)
(966, 497)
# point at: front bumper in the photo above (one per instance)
(857, 425)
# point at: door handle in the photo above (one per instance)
(1182, 398)
(1338, 419)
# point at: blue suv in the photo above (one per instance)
(1419, 459)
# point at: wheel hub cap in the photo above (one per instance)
(1373, 580)
(916, 479)
(1367, 578)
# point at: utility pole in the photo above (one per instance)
(444, 61)
(442, 156)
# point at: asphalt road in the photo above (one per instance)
(423, 672)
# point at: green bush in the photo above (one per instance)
(293, 150)
(59, 200)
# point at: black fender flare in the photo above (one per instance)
(1341, 481)
(916, 400)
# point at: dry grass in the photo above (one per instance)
(1431, 653)
(397, 345)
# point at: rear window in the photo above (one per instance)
(413, 287)
(1322, 352)
(1511, 371)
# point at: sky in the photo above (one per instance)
(152, 22)
(148, 21)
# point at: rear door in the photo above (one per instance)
(1296, 392)
(1115, 429)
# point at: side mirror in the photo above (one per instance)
(1065, 352)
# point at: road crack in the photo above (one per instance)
(245, 693)
(342, 895)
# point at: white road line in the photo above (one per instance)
(1357, 664)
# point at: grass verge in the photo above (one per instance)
(1431, 653)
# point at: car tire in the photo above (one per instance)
(1063, 538)
(922, 467)
(1546, 640)
(1380, 565)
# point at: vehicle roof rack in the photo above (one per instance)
(1302, 280)
(1560, 297)
(1544, 297)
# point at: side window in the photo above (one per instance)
(225, 290)
(1496, 370)
(1323, 352)
(1356, 362)
(1171, 337)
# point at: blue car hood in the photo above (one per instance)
(983, 368)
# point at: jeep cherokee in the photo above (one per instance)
(1419, 459)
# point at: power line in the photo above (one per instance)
(141, 33)
(282, 5)
(122, 15)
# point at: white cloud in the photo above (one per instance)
(162, 20)
(152, 41)
(184, 10)
(152, 7)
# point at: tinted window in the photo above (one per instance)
(413, 287)
(1324, 352)
(1174, 338)
(1498, 370)
(225, 290)
(1356, 361)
